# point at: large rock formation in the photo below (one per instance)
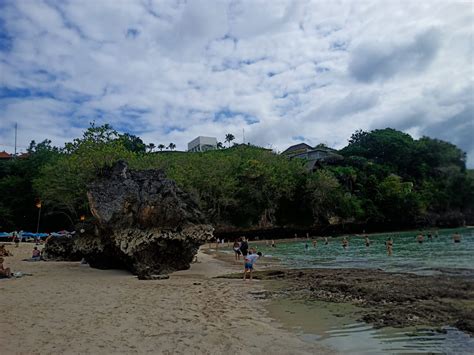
(142, 222)
(61, 249)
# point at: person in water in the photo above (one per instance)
(389, 246)
(345, 243)
(457, 238)
(273, 244)
(367, 241)
(315, 243)
(306, 246)
(250, 259)
(326, 241)
(420, 238)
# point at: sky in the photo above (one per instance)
(276, 72)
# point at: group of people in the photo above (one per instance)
(250, 255)
(6, 272)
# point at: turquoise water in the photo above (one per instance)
(408, 255)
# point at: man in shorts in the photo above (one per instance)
(250, 259)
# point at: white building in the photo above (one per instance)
(201, 144)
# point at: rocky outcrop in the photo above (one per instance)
(61, 249)
(142, 222)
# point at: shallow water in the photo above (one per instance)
(408, 256)
(336, 326)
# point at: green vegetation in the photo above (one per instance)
(386, 180)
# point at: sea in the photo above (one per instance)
(436, 254)
(337, 325)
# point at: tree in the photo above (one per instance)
(229, 138)
(132, 143)
(150, 147)
(171, 146)
(161, 147)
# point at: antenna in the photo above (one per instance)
(16, 129)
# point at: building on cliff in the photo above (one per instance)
(7, 156)
(314, 155)
(202, 144)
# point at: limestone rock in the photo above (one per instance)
(142, 222)
(61, 249)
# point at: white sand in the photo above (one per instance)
(66, 307)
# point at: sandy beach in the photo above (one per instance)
(65, 307)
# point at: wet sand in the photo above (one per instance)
(66, 307)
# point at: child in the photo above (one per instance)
(250, 259)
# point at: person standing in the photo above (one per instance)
(250, 259)
(273, 244)
(16, 240)
(236, 248)
(244, 247)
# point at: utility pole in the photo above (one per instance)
(243, 135)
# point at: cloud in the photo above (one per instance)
(457, 129)
(172, 70)
(383, 60)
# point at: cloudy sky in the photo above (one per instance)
(283, 71)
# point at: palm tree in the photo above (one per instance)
(220, 145)
(161, 147)
(171, 146)
(151, 146)
(229, 138)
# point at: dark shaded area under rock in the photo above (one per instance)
(390, 299)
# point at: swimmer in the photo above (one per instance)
(389, 246)
(345, 243)
(420, 238)
(456, 238)
(306, 246)
(367, 241)
(315, 243)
